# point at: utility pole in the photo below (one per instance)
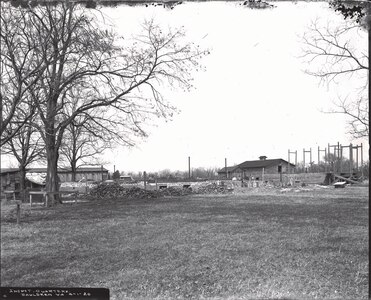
(310, 157)
(226, 168)
(336, 156)
(319, 157)
(145, 179)
(350, 159)
(296, 159)
(189, 167)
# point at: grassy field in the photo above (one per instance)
(296, 245)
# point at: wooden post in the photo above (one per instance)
(145, 179)
(296, 158)
(357, 158)
(361, 156)
(341, 158)
(18, 213)
(289, 159)
(350, 159)
(318, 158)
(310, 157)
(328, 157)
(30, 200)
(263, 174)
(281, 174)
(101, 168)
(326, 160)
(189, 167)
(226, 168)
(338, 149)
(334, 159)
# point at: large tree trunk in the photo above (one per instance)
(22, 182)
(52, 182)
(73, 170)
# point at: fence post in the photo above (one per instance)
(18, 213)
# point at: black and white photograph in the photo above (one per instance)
(184, 149)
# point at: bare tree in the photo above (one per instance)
(27, 147)
(89, 135)
(19, 70)
(332, 50)
(80, 54)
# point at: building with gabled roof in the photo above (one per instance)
(9, 178)
(35, 177)
(255, 169)
(230, 172)
(264, 163)
(86, 173)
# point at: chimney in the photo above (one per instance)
(263, 157)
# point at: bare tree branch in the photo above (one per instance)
(331, 49)
(87, 81)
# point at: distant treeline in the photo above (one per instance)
(174, 176)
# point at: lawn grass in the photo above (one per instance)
(307, 245)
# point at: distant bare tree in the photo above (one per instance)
(89, 135)
(331, 49)
(26, 146)
(78, 53)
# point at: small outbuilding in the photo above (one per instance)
(82, 173)
(10, 178)
(255, 169)
(230, 172)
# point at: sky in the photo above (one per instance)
(253, 98)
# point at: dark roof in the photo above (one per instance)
(229, 169)
(92, 169)
(9, 170)
(263, 163)
(67, 170)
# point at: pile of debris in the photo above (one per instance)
(176, 191)
(110, 191)
(117, 191)
(213, 188)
